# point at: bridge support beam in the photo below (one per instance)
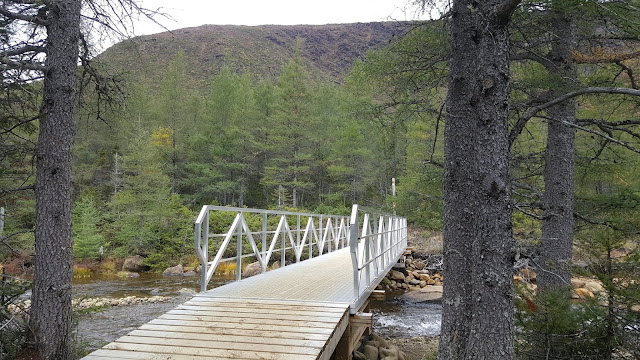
(360, 324)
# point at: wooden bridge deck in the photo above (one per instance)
(297, 312)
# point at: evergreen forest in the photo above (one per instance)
(152, 147)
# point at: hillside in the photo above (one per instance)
(258, 50)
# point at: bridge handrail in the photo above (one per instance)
(374, 249)
(321, 232)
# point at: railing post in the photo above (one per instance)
(376, 239)
(239, 249)
(320, 249)
(282, 249)
(264, 242)
(310, 236)
(298, 241)
(353, 248)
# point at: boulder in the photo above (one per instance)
(414, 282)
(419, 265)
(397, 275)
(594, 286)
(133, 275)
(390, 352)
(380, 340)
(528, 274)
(199, 269)
(583, 293)
(133, 264)
(252, 269)
(357, 355)
(423, 283)
(425, 277)
(186, 291)
(190, 273)
(370, 352)
(174, 271)
(578, 282)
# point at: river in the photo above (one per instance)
(394, 317)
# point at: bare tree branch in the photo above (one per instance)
(22, 65)
(5, 191)
(521, 123)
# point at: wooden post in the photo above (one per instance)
(1, 221)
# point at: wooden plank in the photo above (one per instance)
(379, 295)
(275, 307)
(218, 345)
(247, 321)
(226, 325)
(204, 297)
(229, 338)
(329, 349)
(328, 318)
(223, 353)
(138, 355)
(263, 335)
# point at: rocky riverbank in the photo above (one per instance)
(22, 307)
(373, 347)
(420, 276)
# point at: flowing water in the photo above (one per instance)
(402, 317)
(395, 317)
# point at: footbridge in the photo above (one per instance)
(308, 298)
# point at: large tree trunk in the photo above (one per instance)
(557, 226)
(478, 244)
(51, 308)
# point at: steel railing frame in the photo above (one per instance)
(321, 232)
(374, 249)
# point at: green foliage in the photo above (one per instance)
(568, 331)
(87, 239)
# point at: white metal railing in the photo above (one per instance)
(304, 234)
(377, 241)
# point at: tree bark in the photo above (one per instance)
(50, 320)
(557, 226)
(479, 248)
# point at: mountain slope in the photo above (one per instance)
(258, 50)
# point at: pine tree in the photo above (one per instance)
(289, 140)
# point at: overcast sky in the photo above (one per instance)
(188, 13)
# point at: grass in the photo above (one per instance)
(226, 268)
(81, 271)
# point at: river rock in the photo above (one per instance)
(390, 353)
(133, 264)
(427, 293)
(528, 274)
(174, 271)
(370, 352)
(594, 286)
(190, 273)
(133, 275)
(423, 283)
(252, 269)
(199, 269)
(357, 355)
(425, 277)
(373, 343)
(582, 293)
(186, 291)
(396, 275)
(578, 282)
(414, 282)
(380, 340)
(419, 265)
